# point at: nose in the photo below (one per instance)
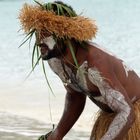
(43, 48)
(43, 45)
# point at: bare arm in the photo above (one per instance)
(115, 97)
(74, 105)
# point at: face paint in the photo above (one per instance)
(50, 42)
(49, 48)
(47, 45)
(115, 100)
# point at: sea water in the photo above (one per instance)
(26, 104)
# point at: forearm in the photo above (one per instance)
(74, 105)
(119, 126)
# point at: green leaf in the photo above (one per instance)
(61, 10)
(47, 78)
(27, 37)
(49, 6)
(58, 9)
(73, 54)
(30, 39)
(33, 67)
(33, 54)
(71, 14)
(37, 51)
(39, 3)
(24, 42)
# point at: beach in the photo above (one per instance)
(27, 107)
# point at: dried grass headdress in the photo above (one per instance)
(52, 17)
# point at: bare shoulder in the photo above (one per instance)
(97, 55)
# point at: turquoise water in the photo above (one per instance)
(118, 23)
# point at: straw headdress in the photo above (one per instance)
(40, 17)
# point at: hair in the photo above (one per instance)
(65, 11)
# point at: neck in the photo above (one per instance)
(79, 52)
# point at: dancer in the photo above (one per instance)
(86, 70)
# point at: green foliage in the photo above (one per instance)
(27, 37)
(59, 8)
(73, 53)
(38, 3)
(36, 57)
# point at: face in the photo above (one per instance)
(47, 45)
(49, 48)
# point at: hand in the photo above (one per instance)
(53, 136)
(45, 137)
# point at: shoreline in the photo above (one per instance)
(19, 127)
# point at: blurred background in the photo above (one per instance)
(25, 104)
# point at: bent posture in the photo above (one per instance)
(86, 70)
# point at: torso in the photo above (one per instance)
(73, 79)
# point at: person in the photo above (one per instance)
(86, 70)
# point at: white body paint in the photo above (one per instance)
(126, 68)
(134, 99)
(113, 98)
(81, 75)
(100, 99)
(50, 42)
(56, 66)
(115, 101)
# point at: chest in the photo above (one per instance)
(77, 79)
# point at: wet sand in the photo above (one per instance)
(13, 127)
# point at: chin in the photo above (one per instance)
(55, 53)
(46, 57)
(50, 55)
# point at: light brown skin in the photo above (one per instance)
(111, 69)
